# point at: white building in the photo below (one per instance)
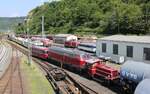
(120, 48)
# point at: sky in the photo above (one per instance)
(13, 8)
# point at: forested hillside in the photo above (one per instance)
(9, 22)
(92, 17)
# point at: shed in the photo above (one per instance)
(124, 47)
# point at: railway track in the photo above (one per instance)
(82, 87)
(12, 75)
(66, 85)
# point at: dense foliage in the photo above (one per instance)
(92, 17)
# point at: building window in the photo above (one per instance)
(147, 54)
(115, 49)
(129, 51)
(104, 47)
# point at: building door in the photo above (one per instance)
(147, 54)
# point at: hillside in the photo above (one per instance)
(9, 22)
(92, 17)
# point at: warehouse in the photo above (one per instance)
(120, 48)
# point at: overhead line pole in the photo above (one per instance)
(29, 43)
(42, 22)
(43, 30)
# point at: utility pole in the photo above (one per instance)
(29, 48)
(42, 22)
(29, 43)
(43, 30)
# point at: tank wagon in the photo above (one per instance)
(131, 73)
(83, 62)
(143, 87)
(41, 52)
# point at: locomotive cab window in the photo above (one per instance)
(147, 54)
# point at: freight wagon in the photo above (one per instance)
(61, 38)
(89, 47)
(131, 73)
(46, 42)
(72, 44)
(143, 87)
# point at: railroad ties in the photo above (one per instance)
(62, 82)
(5, 57)
(10, 71)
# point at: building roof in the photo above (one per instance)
(127, 38)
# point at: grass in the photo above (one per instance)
(36, 81)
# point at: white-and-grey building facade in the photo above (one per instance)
(120, 47)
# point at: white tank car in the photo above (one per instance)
(143, 87)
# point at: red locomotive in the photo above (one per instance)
(103, 71)
(82, 61)
(41, 52)
(71, 57)
(72, 44)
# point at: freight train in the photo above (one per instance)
(131, 73)
(79, 60)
